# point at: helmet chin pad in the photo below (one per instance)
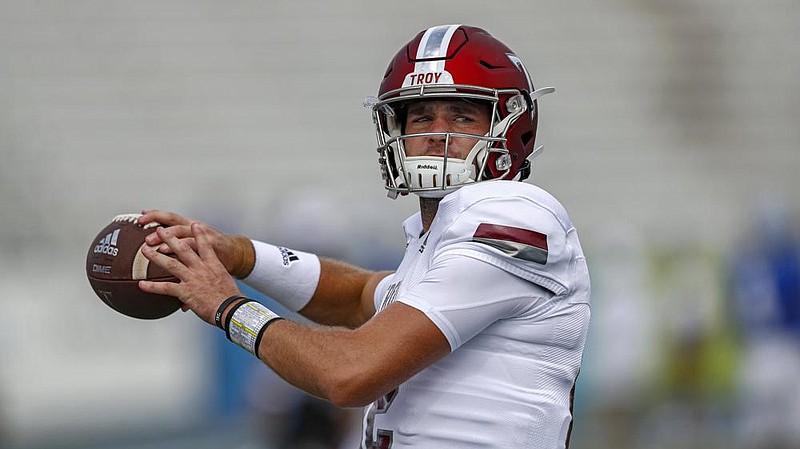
(433, 176)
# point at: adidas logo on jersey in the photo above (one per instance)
(108, 244)
(288, 256)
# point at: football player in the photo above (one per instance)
(476, 339)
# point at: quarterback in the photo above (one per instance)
(476, 339)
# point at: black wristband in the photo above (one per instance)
(261, 332)
(227, 326)
(221, 310)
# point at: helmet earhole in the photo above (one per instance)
(526, 138)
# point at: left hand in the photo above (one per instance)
(234, 251)
(205, 283)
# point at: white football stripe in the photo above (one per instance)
(140, 264)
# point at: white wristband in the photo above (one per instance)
(285, 275)
(248, 323)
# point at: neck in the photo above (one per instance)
(428, 208)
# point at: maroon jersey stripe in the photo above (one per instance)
(511, 234)
(515, 242)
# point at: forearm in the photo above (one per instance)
(343, 296)
(320, 360)
(352, 367)
(348, 367)
(323, 361)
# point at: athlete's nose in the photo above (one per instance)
(440, 125)
(437, 142)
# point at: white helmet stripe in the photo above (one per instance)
(518, 62)
(434, 44)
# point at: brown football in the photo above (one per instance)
(115, 264)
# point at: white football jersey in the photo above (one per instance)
(502, 274)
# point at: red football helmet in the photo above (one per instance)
(464, 62)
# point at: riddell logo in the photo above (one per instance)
(108, 245)
(427, 167)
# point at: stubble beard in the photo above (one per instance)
(428, 208)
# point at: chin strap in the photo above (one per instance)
(525, 170)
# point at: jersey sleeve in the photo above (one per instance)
(381, 289)
(465, 295)
(530, 239)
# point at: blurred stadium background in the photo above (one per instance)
(673, 139)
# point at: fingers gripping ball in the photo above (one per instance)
(115, 264)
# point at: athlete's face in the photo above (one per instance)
(441, 116)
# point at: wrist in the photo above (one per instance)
(246, 322)
(244, 257)
(222, 316)
(288, 276)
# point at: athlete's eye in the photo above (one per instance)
(418, 120)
